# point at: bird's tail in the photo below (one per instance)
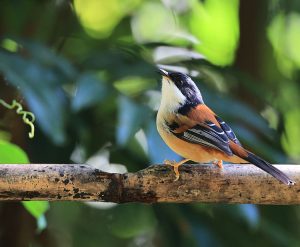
(267, 167)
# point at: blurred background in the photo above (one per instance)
(86, 69)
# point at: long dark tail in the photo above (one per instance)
(267, 167)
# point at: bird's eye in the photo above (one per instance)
(179, 83)
(177, 78)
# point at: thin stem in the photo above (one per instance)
(27, 117)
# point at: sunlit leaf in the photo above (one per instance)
(162, 28)
(36, 208)
(290, 140)
(216, 24)
(132, 86)
(12, 154)
(99, 17)
(284, 36)
(159, 28)
(9, 45)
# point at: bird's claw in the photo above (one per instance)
(218, 163)
(169, 162)
(175, 166)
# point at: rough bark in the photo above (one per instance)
(197, 183)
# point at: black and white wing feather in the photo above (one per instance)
(229, 132)
(208, 135)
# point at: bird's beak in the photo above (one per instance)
(163, 72)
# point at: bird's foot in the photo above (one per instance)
(175, 166)
(218, 163)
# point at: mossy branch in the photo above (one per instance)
(197, 183)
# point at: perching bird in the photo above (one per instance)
(194, 131)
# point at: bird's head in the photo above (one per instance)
(179, 90)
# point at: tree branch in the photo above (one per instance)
(197, 183)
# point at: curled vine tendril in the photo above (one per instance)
(27, 117)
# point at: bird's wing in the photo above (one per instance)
(200, 126)
(207, 136)
(228, 131)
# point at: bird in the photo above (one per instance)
(192, 130)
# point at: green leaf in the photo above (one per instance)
(284, 36)
(11, 153)
(133, 85)
(290, 139)
(99, 18)
(131, 220)
(36, 208)
(9, 45)
(145, 31)
(216, 24)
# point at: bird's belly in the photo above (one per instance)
(196, 152)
